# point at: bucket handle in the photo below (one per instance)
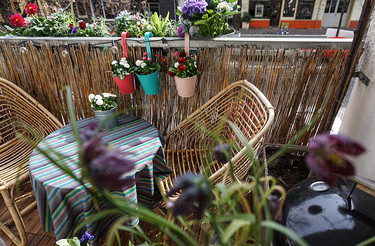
(148, 35)
(123, 41)
(187, 43)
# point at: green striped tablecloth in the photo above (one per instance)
(63, 203)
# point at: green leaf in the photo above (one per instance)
(2, 33)
(9, 28)
(282, 229)
(232, 228)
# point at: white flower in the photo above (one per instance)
(124, 60)
(138, 22)
(127, 65)
(138, 63)
(143, 21)
(98, 97)
(99, 102)
(143, 65)
(105, 94)
(91, 96)
(176, 65)
(122, 63)
(113, 95)
(114, 62)
(223, 6)
(149, 27)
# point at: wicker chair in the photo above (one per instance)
(189, 146)
(20, 115)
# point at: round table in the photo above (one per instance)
(64, 204)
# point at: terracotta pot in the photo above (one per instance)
(125, 85)
(185, 86)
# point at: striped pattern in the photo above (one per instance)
(63, 203)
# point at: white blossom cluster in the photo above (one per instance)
(98, 99)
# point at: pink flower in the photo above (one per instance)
(26, 23)
(144, 58)
(31, 9)
(164, 59)
(176, 54)
(17, 20)
(145, 54)
(148, 59)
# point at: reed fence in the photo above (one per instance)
(295, 80)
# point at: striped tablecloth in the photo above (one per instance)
(63, 203)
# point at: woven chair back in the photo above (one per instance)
(21, 117)
(189, 146)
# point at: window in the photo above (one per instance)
(153, 7)
(259, 9)
(305, 9)
(289, 8)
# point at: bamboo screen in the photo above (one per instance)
(295, 81)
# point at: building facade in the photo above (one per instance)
(302, 13)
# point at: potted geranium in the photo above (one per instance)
(148, 74)
(185, 71)
(209, 16)
(123, 74)
(105, 109)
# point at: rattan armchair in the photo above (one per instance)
(189, 146)
(21, 116)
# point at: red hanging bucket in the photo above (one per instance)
(125, 85)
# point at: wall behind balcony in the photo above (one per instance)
(295, 81)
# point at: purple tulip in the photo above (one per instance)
(325, 158)
(221, 153)
(106, 167)
(195, 194)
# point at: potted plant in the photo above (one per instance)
(148, 74)
(105, 109)
(209, 16)
(185, 71)
(123, 74)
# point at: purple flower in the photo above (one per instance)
(274, 204)
(195, 194)
(90, 131)
(221, 153)
(86, 237)
(325, 156)
(106, 167)
(180, 33)
(73, 30)
(193, 7)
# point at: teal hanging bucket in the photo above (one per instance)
(150, 83)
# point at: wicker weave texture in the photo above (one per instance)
(21, 117)
(189, 146)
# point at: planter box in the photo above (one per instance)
(288, 169)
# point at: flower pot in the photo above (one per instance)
(150, 83)
(125, 85)
(185, 86)
(108, 119)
